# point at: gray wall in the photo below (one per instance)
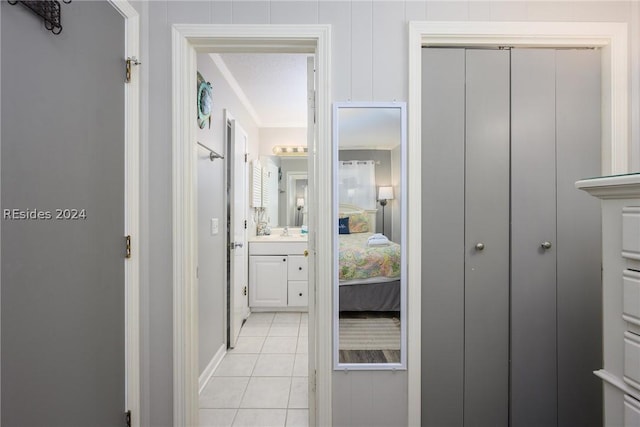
(369, 63)
(212, 265)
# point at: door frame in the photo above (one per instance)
(187, 41)
(610, 37)
(132, 211)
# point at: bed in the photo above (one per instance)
(369, 277)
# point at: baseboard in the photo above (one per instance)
(211, 367)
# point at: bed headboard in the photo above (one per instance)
(345, 209)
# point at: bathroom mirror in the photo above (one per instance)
(284, 190)
(369, 208)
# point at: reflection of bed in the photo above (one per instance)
(369, 277)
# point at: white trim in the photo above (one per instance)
(186, 41)
(132, 213)
(612, 187)
(211, 367)
(618, 383)
(611, 37)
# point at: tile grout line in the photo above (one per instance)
(291, 376)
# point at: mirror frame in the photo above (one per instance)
(337, 366)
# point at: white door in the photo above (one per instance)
(312, 221)
(238, 195)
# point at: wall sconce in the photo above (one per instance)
(289, 150)
(384, 194)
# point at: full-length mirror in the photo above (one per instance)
(370, 221)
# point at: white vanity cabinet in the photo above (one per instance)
(620, 296)
(278, 275)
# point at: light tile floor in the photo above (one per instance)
(263, 381)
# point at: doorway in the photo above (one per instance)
(188, 39)
(264, 371)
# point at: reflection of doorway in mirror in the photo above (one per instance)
(297, 183)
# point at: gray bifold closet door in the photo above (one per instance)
(465, 290)
(505, 136)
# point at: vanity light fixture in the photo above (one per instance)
(289, 150)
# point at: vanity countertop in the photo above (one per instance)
(278, 237)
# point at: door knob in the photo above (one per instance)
(546, 245)
(236, 245)
(479, 246)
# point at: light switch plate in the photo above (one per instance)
(214, 226)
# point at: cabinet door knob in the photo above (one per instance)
(284, 260)
(300, 294)
(306, 252)
(546, 245)
(479, 246)
(300, 268)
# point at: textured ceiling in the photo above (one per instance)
(274, 84)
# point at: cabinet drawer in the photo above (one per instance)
(631, 412)
(632, 359)
(631, 299)
(631, 232)
(298, 267)
(298, 293)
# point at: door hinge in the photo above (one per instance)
(245, 224)
(127, 418)
(246, 156)
(127, 240)
(128, 63)
(244, 291)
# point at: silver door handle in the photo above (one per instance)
(479, 246)
(546, 245)
(236, 245)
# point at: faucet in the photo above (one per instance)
(285, 231)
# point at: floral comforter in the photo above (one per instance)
(357, 261)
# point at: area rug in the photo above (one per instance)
(379, 333)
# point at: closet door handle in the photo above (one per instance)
(479, 246)
(546, 245)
